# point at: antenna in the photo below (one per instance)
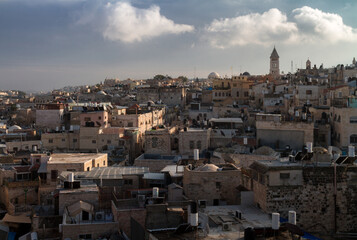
(292, 64)
(194, 72)
(232, 70)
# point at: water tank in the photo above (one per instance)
(34, 236)
(71, 128)
(34, 148)
(249, 234)
(57, 129)
(275, 218)
(155, 192)
(292, 217)
(351, 151)
(196, 154)
(70, 177)
(309, 147)
(245, 141)
(63, 128)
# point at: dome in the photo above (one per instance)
(101, 93)
(264, 150)
(14, 127)
(70, 100)
(213, 75)
(246, 74)
(207, 168)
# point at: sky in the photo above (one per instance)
(49, 44)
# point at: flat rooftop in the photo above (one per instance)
(58, 158)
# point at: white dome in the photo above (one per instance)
(213, 75)
(101, 93)
(14, 127)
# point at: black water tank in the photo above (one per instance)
(193, 207)
(249, 234)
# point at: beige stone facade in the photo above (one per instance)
(193, 139)
(212, 185)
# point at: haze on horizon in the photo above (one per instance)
(47, 44)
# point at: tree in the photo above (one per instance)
(183, 78)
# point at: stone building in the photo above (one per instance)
(170, 96)
(344, 126)
(193, 138)
(161, 141)
(214, 184)
(308, 189)
(49, 115)
(275, 133)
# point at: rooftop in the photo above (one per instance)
(59, 158)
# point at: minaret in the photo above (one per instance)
(274, 64)
(354, 61)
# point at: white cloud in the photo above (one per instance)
(129, 24)
(315, 25)
(306, 26)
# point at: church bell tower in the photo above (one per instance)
(274, 64)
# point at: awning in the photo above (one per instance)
(43, 168)
(16, 219)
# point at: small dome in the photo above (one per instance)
(101, 93)
(213, 75)
(14, 127)
(246, 74)
(264, 150)
(207, 168)
(70, 101)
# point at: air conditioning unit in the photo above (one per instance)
(99, 216)
(227, 227)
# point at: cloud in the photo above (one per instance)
(129, 24)
(315, 25)
(307, 25)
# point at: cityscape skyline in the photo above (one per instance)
(52, 44)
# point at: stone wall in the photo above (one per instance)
(314, 200)
(208, 186)
(97, 230)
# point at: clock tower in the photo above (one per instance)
(274, 64)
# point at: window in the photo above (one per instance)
(353, 139)
(54, 175)
(109, 141)
(75, 140)
(215, 94)
(246, 94)
(199, 145)
(63, 139)
(94, 141)
(87, 119)
(192, 144)
(99, 118)
(130, 124)
(353, 119)
(284, 175)
(50, 140)
(88, 168)
(103, 163)
(218, 185)
(308, 92)
(128, 181)
(237, 94)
